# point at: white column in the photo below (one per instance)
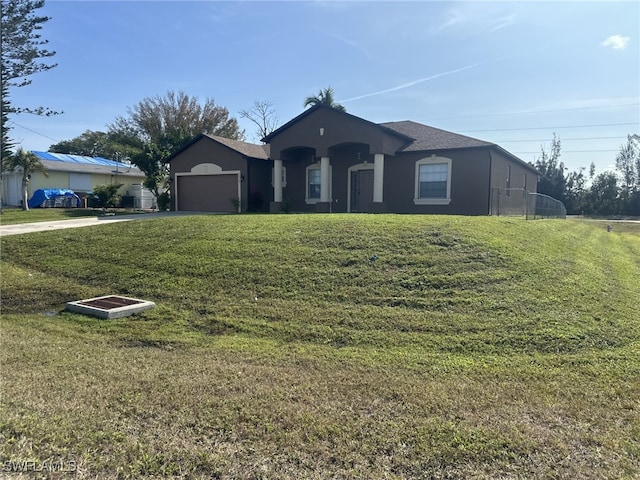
(324, 179)
(277, 180)
(378, 176)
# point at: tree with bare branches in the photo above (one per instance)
(263, 115)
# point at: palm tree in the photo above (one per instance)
(29, 163)
(325, 97)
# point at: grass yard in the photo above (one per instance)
(11, 216)
(325, 346)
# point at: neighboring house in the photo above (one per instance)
(325, 160)
(74, 172)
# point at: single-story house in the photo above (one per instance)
(73, 172)
(326, 160)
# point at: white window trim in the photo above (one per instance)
(432, 201)
(315, 166)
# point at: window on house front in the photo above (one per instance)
(313, 183)
(433, 181)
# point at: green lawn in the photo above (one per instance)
(11, 216)
(326, 346)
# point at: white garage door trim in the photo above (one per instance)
(220, 172)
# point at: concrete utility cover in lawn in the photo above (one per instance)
(110, 306)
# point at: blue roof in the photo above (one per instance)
(63, 157)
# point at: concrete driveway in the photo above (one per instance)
(21, 228)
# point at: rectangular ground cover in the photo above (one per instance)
(109, 306)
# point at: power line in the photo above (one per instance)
(562, 139)
(549, 128)
(533, 112)
(33, 131)
(572, 151)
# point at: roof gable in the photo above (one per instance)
(250, 150)
(317, 107)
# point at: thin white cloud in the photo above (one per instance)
(617, 42)
(503, 22)
(472, 18)
(346, 41)
(412, 83)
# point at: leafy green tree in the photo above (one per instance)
(106, 196)
(627, 163)
(23, 54)
(324, 97)
(552, 180)
(7, 144)
(156, 171)
(28, 163)
(575, 191)
(158, 127)
(603, 198)
(93, 144)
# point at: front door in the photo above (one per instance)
(361, 190)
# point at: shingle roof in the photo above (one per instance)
(247, 149)
(429, 138)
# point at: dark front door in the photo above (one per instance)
(361, 190)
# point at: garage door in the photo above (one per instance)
(207, 193)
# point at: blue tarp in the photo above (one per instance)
(63, 157)
(49, 197)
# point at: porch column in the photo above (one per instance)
(324, 179)
(378, 177)
(277, 180)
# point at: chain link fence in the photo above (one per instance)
(519, 202)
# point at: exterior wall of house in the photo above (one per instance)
(294, 193)
(521, 177)
(470, 172)
(207, 150)
(12, 184)
(337, 129)
(11, 188)
(260, 185)
(341, 159)
(511, 182)
(54, 180)
(61, 179)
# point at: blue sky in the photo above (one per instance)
(508, 72)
